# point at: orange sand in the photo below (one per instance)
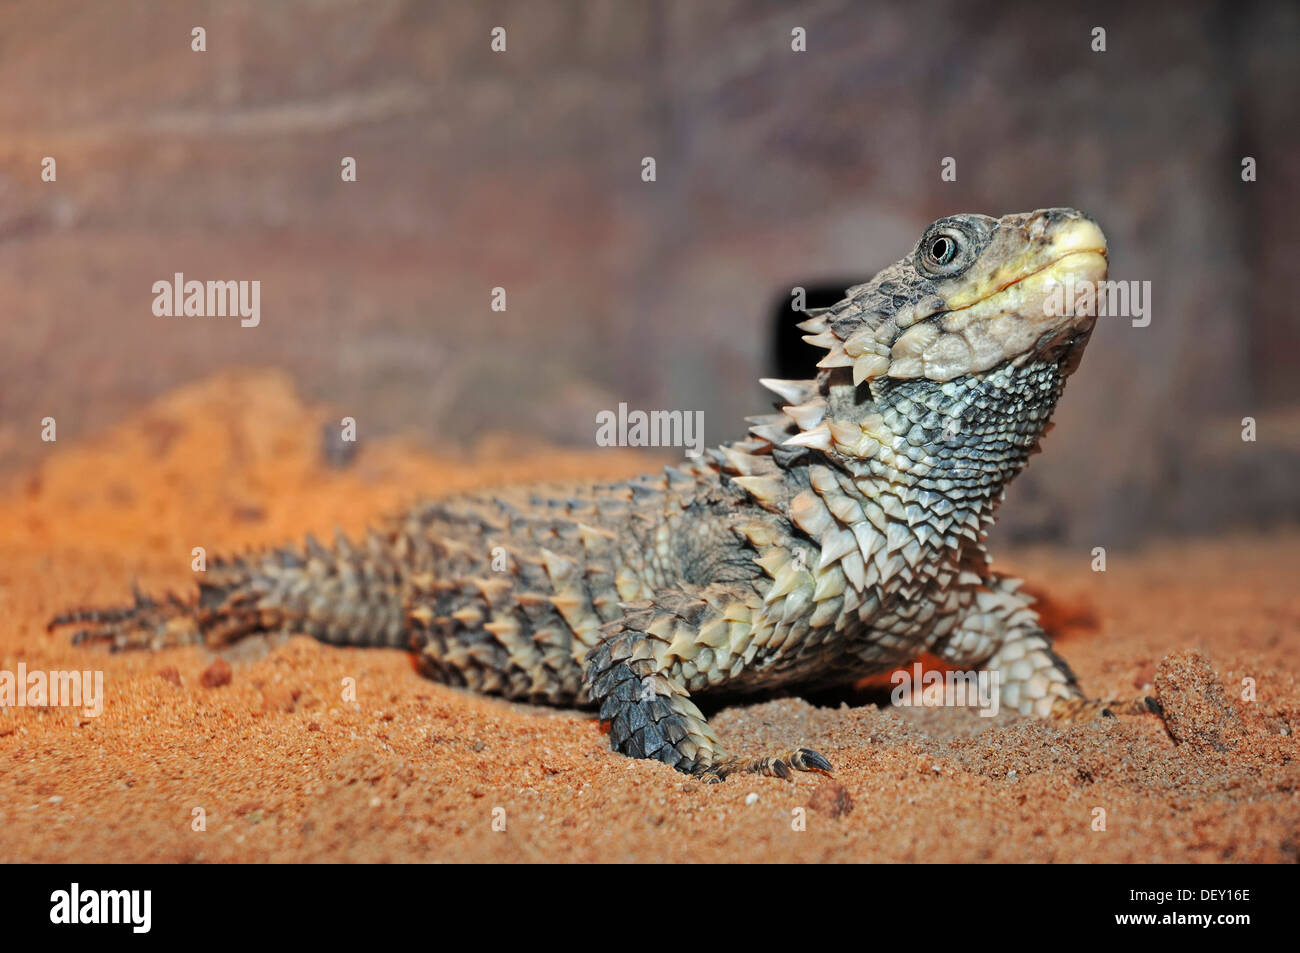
(285, 770)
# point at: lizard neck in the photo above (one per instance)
(952, 448)
(912, 477)
(893, 490)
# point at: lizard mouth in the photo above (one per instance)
(1072, 266)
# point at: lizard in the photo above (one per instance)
(843, 536)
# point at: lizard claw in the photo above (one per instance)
(805, 759)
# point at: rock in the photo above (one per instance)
(831, 798)
(1196, 708)
(216, 674)
(170, 674)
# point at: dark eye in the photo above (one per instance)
(942, 250)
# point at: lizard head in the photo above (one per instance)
(982, 306)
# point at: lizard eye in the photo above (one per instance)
(943, 251)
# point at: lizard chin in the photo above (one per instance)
(1062, 307)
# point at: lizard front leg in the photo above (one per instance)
(637, 674)
(1000, 631)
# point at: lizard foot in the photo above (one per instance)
(1076, 710)
(146, 624)
(800, 759)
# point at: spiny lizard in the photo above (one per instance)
(842, 538)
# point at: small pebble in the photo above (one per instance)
(831, 798)
(1197, 710)
(216, 674)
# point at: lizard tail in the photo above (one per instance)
(146, 623)
(347, 596)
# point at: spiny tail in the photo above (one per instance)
(348, 596)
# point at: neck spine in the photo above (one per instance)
(894, 480)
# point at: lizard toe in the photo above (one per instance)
(1076, 710)
(805, 759)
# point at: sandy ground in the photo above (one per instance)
(268, 759)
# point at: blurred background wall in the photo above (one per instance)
(522, 170)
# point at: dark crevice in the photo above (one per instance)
(790, 357)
